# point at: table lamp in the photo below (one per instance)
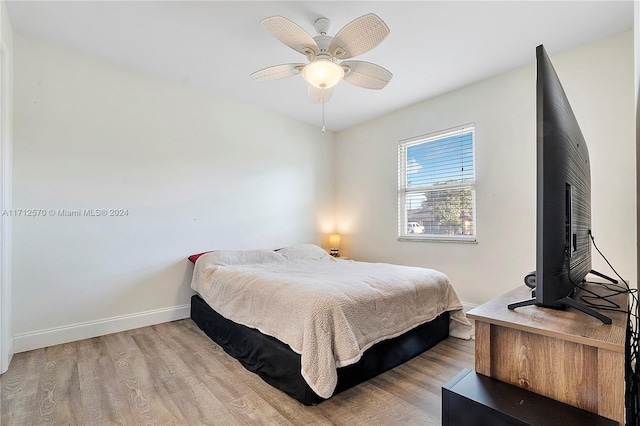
(334, 244)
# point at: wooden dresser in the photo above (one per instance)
(565, 355)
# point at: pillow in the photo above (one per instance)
(195, 257)
(241, 257)
(304, 252)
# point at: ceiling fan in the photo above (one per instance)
(326, 54)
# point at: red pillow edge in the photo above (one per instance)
(195, 257)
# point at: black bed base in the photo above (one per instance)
(279, 366)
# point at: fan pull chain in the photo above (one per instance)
(323, 129)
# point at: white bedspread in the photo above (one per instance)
(329, 311)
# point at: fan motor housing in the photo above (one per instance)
(323, 42)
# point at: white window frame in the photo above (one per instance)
(404, 190)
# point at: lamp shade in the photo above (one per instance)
(323, 73)
(334, 240)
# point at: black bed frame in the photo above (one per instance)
(279, 366)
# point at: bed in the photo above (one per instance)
(312, 325)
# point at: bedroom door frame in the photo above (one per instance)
(6, 338)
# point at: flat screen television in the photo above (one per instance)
(563, 203)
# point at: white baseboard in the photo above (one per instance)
(70, 333)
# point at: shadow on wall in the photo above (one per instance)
(173, 281)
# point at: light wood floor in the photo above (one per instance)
(173, 373)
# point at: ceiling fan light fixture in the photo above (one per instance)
(323, 73)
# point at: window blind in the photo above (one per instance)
(436, 186)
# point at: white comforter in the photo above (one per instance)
(329, 311)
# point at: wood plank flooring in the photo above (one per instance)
(173, 374)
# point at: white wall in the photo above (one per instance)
(194, 171)
(6, 96)
(598, 79)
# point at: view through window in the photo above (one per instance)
(436, 186)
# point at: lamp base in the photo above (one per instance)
(334, 252)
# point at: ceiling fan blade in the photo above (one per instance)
(359, 36)
(318, 96)
(292, 35)
(366, 74)
(277, 71)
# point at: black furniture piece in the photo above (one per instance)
(279, 366)
(471, 399)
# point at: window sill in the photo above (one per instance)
(433, 239)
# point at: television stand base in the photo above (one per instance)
(601, 275)
(567, 301)
(579, 306)
(528, 302)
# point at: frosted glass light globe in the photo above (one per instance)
(323, 73)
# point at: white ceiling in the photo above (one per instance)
(434, 46)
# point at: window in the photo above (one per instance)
(436, 186)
